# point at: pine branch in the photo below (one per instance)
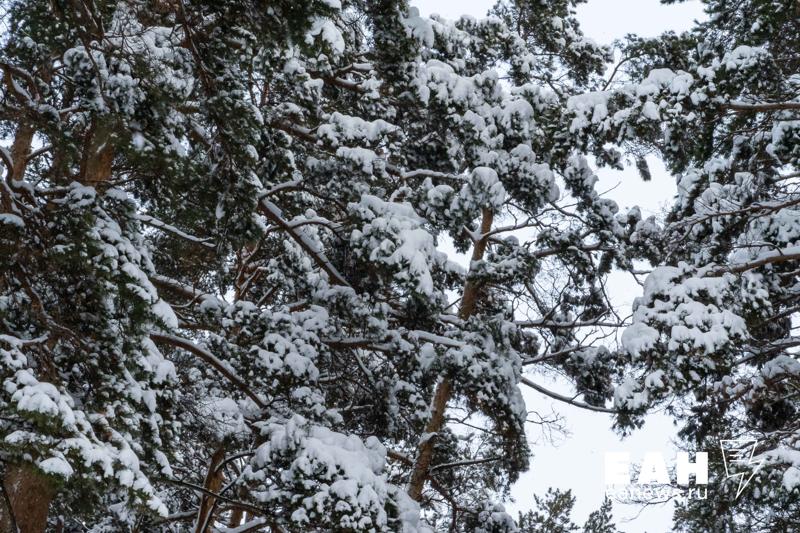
(565, 399)
(274, 214)
(761, 106)
(211, 359)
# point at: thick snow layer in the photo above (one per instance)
(342, 475)
(393, 234)
(329, 33)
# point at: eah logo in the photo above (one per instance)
(653, 480)
(654, 469)
(740, 452)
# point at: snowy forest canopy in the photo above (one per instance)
(224, 304)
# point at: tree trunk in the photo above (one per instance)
(98, 154)
(444, 389)
(213, 482)
(28, 492)
(20, 150)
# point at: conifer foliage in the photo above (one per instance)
(552, 514)
(222, 297)
(224, 304)
(714, 335)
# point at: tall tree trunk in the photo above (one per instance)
(28, 492)
(213, 482)
(20, 151)
(444, 389)
(98, 154)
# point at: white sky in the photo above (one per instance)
(577, 462)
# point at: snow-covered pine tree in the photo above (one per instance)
(714, 338)
(601, 520)
(222, 301)
(552, 513)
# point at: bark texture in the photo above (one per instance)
(29, 493)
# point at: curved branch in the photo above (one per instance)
(275, 215)
(780, 256)
(246, 506)
(567, 325)
(211, 359)
(761, 107)
(458, 464)
(565, 399)
(158, 224)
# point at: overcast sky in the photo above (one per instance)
(577, 462)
